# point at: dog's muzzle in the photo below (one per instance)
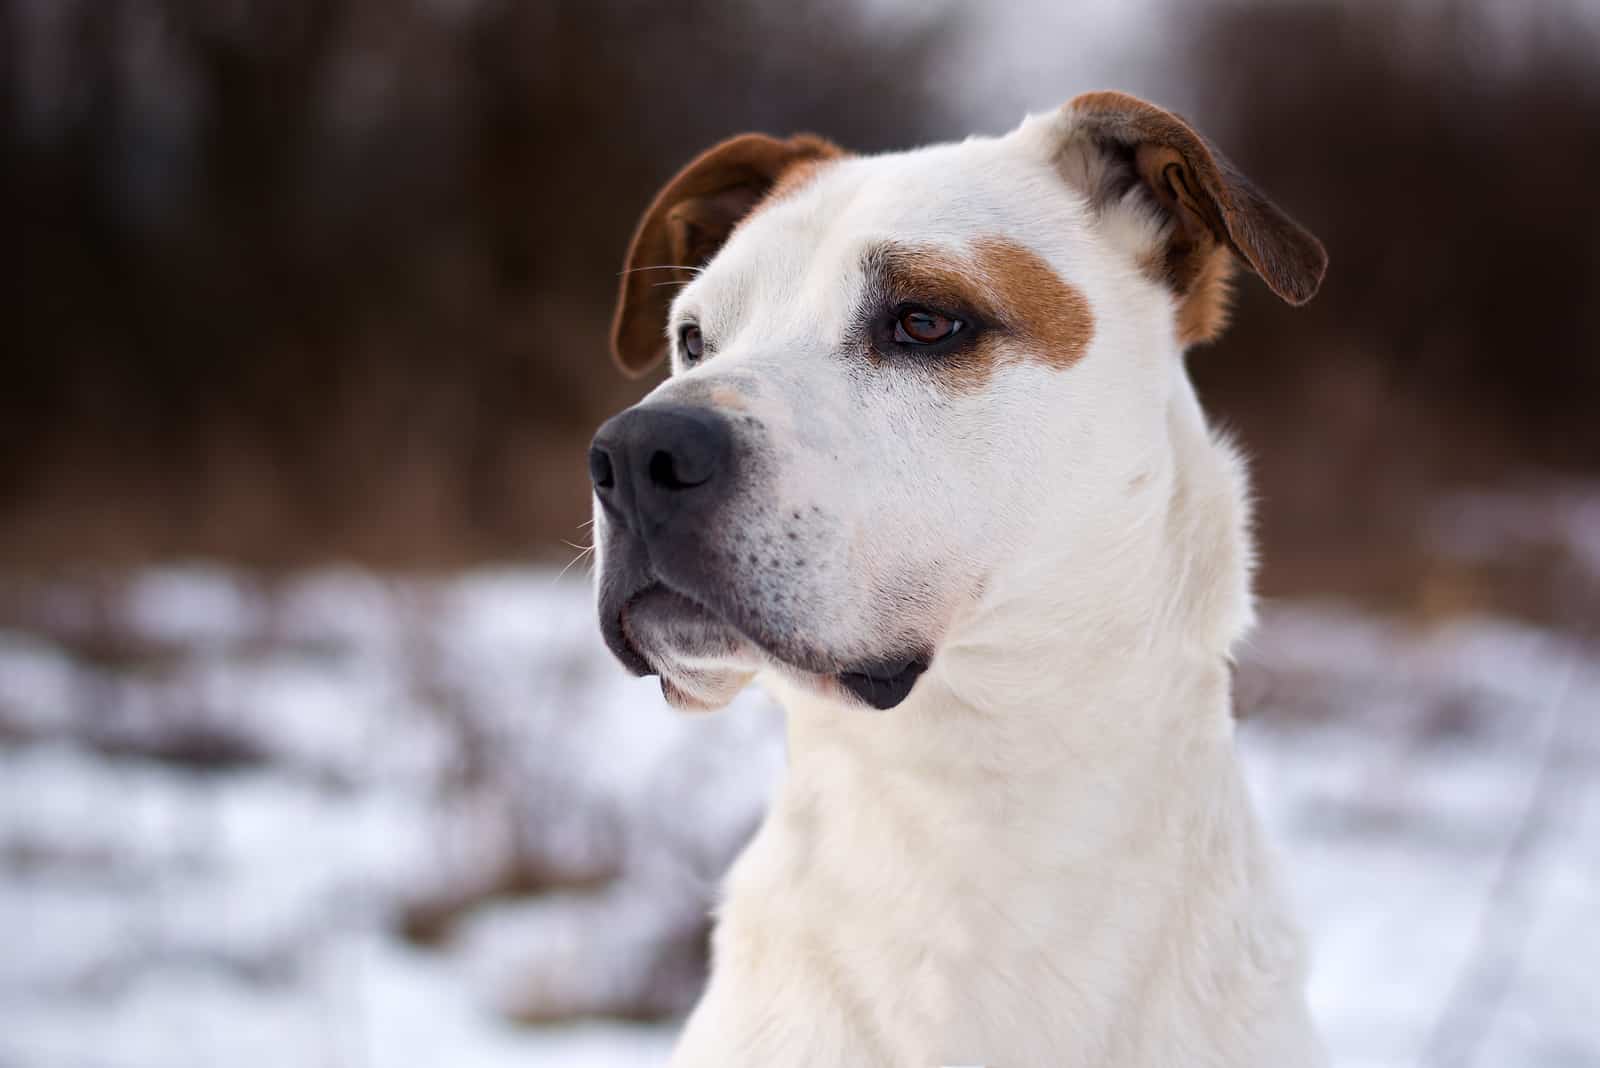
(670, 586)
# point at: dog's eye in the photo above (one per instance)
(691, 343)
(924, 326)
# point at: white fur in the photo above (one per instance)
(1045, 856)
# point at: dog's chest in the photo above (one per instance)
(916, 936)
(899, 920)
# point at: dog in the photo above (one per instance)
(930, 466)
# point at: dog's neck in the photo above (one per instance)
(1100, 779)
(1059, 796)
(1067, 675)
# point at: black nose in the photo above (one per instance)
(651, 461)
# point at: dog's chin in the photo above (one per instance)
(659, 622)
(703, 662)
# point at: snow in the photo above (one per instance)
(221, 803)
(349, 819)
(1399, 811)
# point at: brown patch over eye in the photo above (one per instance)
(1023, 307)
(1052, 316)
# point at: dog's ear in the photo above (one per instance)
(1116, 145)
(685, 226)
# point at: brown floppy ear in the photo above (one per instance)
(685, 226)
(1216, 213)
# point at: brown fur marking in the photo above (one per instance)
(1204, 310)
(1030, 312)
(1052, 315)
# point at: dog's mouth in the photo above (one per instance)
(660, 630)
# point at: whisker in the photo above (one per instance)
(662, 267)
(583, 554)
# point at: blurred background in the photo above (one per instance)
(309, 750)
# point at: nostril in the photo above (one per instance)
(678, 470)
(600, 472)
(663, 471)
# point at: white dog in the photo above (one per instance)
(930, 466)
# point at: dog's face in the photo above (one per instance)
(892, 376)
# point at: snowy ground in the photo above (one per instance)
(346, 820)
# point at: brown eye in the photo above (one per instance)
(692, 344)
(923, 326)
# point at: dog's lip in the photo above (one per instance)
(661, 591)
(881, 684)
(636, 660)
(884, 684)
(617, 635)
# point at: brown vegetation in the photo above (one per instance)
(330, 277)
(303, 280)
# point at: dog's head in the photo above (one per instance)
(894, 375)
